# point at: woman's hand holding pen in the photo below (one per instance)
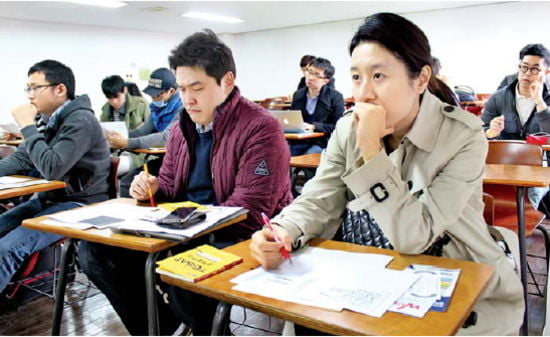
(140, 186)
(264, 248)
(371, 128)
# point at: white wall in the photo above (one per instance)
(91, 52)
(477, 46)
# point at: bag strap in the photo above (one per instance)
(436, 249)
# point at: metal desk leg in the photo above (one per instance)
(520, 201)
(66, 251)
(221, 318)
(152, 314)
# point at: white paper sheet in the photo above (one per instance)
(12, 180)
(22, 183)
(119, 127)
(11, 128)
(214, 215)
(137, 218)
(331, 279)
(421, 296)
(109, 214)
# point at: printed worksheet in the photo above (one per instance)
(331, 279)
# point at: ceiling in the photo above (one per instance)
(164, 16)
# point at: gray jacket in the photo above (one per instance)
(142, 138)
(503, 103)
(72, 150)
(429, 186)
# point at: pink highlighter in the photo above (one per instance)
(284, 252)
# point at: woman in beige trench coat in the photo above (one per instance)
(410, 158)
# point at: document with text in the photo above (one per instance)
(331, 279)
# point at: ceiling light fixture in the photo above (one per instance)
(100, 3)
(211, 17)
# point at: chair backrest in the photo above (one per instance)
(505, 204)
(113, 179)
(489, 210)
(514, 153)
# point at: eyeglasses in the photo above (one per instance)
(314, 74)
(532, 70)
(36, 87)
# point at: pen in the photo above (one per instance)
(283, 251)
(153, 203)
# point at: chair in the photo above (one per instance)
(43, 265)
(489, 210)
(113, 178)
(474, 109)
(505, 207)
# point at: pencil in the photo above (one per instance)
(151, 198)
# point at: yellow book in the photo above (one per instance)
(198, 263)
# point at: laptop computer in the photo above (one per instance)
(291, 120)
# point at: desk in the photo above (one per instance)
(279, 106)
(151, 246)
(472, 281)
(152, 150)
(15, 142)
(20, 191)
(311, 160)
(302, 136)
(521, 177)
(545, 147)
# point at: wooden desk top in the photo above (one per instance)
(306, 135)
(517, 175)
(155, 150)
(282, 106)
(472, 281)
(20, 191)
(106, 236)
(306, 161)
(15, 142)
(545, 147)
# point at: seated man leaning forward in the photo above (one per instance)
(225, 151)
(71, 149)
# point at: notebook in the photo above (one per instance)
(291, 120)
(198, 263)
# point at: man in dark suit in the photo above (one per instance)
(320, 104)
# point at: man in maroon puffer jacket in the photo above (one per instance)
(226, 151)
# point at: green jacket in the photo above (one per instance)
(136, 112)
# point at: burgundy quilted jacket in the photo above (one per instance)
(249, 162)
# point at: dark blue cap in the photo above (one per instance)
(161, 80)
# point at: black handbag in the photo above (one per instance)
(361, 228)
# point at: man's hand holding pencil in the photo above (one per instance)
(144, 186)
